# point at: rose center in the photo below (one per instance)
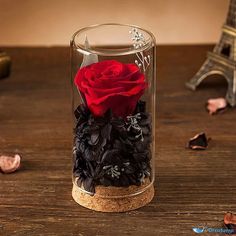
(111, 71)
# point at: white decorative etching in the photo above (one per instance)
(139, 41)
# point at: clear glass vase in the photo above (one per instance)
(113, 79)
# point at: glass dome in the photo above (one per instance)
(113, 79)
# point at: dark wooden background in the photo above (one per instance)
(192, 187)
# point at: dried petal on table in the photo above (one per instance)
(230, 222)
(198, 142)
(215, 105)
(9, 164)
(230, 218)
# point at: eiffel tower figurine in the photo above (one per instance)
(223, 58)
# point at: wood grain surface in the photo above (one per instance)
(192, 188)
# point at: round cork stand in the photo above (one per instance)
(115, 199)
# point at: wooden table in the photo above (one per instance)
(192, 187)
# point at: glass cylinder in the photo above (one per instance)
(113, 80)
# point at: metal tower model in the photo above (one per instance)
(223, 58)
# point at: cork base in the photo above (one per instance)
(115, 199)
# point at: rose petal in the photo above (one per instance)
(117, 102)
(198, 142)
(93, 80)
(9, 164)
(230, 218)
(230, 222)
(214, 105)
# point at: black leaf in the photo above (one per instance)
(79, 181)
(129, 169)
(94, 138)
(88, 185)
(109, 156)
(145, 130)
(106, 131)
(88, 154)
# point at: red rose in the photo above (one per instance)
(111, 85)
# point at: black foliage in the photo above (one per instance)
(111, 151)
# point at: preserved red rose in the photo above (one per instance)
(111, 85)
